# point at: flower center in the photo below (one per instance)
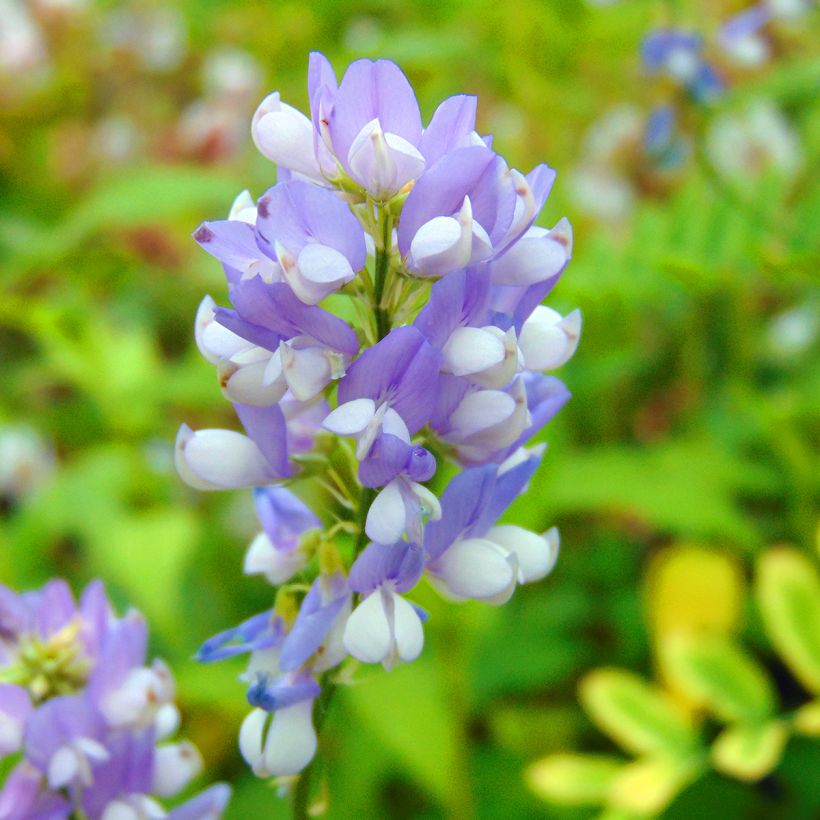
(52, 667)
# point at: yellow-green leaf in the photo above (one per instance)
(691, 588)
(573, 779)
(807, 719)
(749, 752)
(719, 676)
(639, 716)
(648, 786)
(788, 594)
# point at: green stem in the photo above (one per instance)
(382, 269)
(301, 793)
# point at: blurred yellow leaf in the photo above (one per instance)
(691, 588)
(807, 719)
(718, 675)
(573, 779)
(788, 594)
(647, 786)
(639, 716)
(749, 752)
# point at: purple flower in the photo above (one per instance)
(275, 552)
(467, 555)
(385, 628)
(468, 207)
(87, 713)
(225, 459)
(679, 55)
(391, 388)
(455, 369)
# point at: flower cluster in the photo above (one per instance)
(84, 717)
(630, 151)
(437, 354)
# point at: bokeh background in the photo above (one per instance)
(695, 388)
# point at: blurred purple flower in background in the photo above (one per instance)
(88, 719)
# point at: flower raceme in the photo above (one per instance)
(88, 719)
(385, 317)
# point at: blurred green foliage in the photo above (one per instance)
(694, 410)
(719, 709)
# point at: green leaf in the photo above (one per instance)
(788, 594)
(637, 715)
(717, 674)
(139, 196)
(749, 752)
(806, 719)
(573, 779)
(408, 711)
(688, 487)
(648, 786)
(145, 555)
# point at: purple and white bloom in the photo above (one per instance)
(743, 36)
(468, 556)
(468, 207)
(404, 503)
(369, 205)
(225, 459)
(370, 123)
(678, 55)
(391, 388)
(87, 714)
(285, 658)
(384, 628)
(278, 552)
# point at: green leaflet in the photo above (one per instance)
(749, 752)
(788, 594)
(719, 676)
(574, 779)
(648, 785)
(639, 716)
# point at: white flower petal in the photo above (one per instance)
(214, 341)
(471, 350)
(250, 738)
(407, 629)
(307, 371)
(477, 568)
(536, 554)
(285, 136)
(367, 635)
(291, 741)
(444, 243)
(278, 566)
(387, 516)
(175, 765)
(350, 418)
(219, 460)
